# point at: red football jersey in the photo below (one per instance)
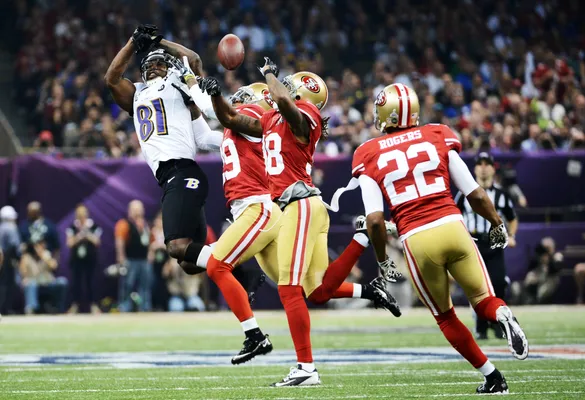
(411, 167)
(288, 160)
(243, 164)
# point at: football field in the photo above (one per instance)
(361, 354)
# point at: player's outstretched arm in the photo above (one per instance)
(121, 88)
(179, 51)
(228, 115)
(286, 105)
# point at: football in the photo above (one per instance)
(230, 52)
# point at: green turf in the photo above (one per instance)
(530, 379)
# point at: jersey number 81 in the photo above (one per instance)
(144, 114)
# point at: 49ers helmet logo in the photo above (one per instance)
(381, 99)
(267, 97)
(311, 84)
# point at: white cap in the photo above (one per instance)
(8, 213)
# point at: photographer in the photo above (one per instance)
(84, 239)
(543, 278)
(37, 267)
(478, 227)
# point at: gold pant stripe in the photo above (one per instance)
(249, 237)
(298, 256)
(418, 281)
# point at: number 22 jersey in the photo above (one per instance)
(163, 121)
(411, 167)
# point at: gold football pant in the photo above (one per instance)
(434, 253)
(302, 244)
(252, 234)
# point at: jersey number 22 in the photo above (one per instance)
(421, 188)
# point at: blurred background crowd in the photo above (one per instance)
(507, 76)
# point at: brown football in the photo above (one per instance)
(230, 52)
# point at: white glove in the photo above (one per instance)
(389, 271)
(184, 69)
(498, 237)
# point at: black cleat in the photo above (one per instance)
(253, 289)
(481, 336)
(383, 298)
(251, 349)
(493, 385)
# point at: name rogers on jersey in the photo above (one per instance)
(405, 137)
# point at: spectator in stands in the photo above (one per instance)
(83, 240)
(132, 242)
(543, 278)
(10, 249)
(504, 65)
(37, 228)
(37, 267)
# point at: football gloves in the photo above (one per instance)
(269, 68)
(145, 37)
(389, 271)
(210, 85)
(184, 69)
(498, 237)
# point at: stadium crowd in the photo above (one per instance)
(506, 75)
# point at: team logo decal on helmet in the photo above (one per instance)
(311, 84)
(267, 97)
(381, 98)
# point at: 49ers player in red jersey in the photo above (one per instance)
(410, 168)
(290, 135)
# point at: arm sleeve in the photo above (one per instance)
(371, 195)
(451, 139)
(205, 138)
(358, 164)
(203, 101)
(460, 174)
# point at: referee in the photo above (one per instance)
(479, 228)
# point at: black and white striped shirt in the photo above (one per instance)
(476, 224)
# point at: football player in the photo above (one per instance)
(289, 135)
(169, 132)
(410, 168)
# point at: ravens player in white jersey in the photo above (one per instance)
(169, 131)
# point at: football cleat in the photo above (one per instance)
(517, 342)
(251, 349)
(493, 385)
(383, 298)
(299, 377)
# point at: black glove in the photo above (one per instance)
(186, 97)
(210, 85)
(269, 67)
(144, 38)
(498, 237)
(149, 29)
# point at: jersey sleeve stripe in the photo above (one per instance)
(313, 123)
(451, 140)
(358, 167)
(252, 111)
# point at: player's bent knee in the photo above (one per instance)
(318, 297)
(177, 248)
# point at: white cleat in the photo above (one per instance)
(517, 342)
(299, 377)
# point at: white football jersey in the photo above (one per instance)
(163, 121)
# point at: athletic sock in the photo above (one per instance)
(299, 321)
(486, 309)
(233, 292)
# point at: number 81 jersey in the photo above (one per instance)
(411, 167)
(163, 121)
